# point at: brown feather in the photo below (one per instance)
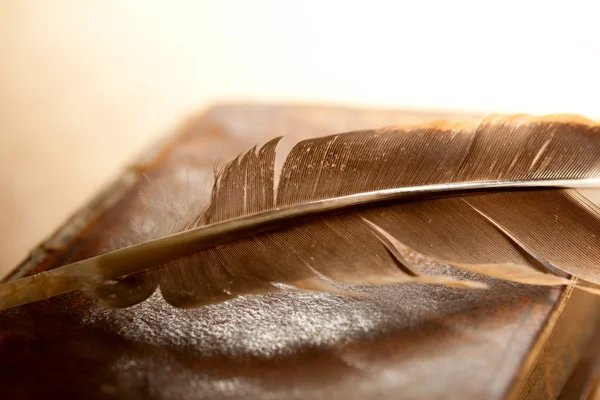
(301, 225)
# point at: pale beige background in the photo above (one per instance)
(85, 85)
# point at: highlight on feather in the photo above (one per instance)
(401, 253)
(496, 198)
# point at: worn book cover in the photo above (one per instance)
(410, 341)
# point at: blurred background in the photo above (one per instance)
(86, 85)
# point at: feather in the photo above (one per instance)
(496, 198)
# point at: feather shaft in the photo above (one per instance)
(134, 259)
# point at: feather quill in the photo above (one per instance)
(495, 198)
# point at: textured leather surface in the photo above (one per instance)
(397, 342)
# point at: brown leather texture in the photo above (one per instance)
(409, 341)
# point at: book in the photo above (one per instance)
(405, 342)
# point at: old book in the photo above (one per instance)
(405, 342)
